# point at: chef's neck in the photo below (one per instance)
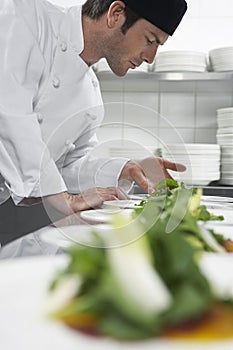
(95, 37)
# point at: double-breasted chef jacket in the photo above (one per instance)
(50, 103)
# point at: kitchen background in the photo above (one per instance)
(150, 111)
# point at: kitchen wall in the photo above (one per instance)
(151, 113)
(170, 112)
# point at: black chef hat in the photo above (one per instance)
(164, 14)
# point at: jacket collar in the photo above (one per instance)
(71, 28)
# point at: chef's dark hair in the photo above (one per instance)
(94, 9)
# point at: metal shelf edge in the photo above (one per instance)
(169, 76)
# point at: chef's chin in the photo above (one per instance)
(120, 72)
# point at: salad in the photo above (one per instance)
(152, 285)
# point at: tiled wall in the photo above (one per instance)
(167, 112)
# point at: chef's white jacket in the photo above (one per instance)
(50, 103)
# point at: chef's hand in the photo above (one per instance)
(148, 172)
(68, 203)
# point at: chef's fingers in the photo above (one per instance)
(116, 191)
(173, 166)
(96, 196)
(121, 193)
(141, 180)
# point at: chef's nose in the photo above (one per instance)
(149, 54)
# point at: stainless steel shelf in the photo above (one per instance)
(169, 76)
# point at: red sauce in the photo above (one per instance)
(228, 245)
(215, 325)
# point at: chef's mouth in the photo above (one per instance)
(133, 65)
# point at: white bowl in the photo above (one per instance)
(221, 59)
(221, 51)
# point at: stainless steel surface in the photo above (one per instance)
(170, 76)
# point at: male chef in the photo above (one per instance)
(50, 100)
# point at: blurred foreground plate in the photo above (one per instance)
(25, 325)
(66, 236)
(103, 215)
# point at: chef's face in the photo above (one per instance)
(139, 44)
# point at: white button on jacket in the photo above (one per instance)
(40, 118)
(45, 91)
(63, 46)
(56, 82)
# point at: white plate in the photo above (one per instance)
(217, 199)
(66, 236)
(225, 230)
(139, 196)
(123, 204)
(226, 213)
(103, 215)
(25, 325)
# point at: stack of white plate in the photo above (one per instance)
(144, 67)
(191, 61)
(202, 162)
(221, 59)
(225, 140)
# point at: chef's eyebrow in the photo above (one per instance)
(157, 40)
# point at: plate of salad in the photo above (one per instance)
(165, 284)
(170, 288)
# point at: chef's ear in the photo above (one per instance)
(116, 14)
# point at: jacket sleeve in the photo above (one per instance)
(89, 166)
(26, 163)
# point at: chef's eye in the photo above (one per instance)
(149, 42)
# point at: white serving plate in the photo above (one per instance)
(24, 304)
(103, 215)
(139, 196)
(226, 212)
(66, 236)
(225, 230)
(88, 235)
(122, 204)
(217, 199)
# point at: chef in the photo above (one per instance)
(50, 100)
